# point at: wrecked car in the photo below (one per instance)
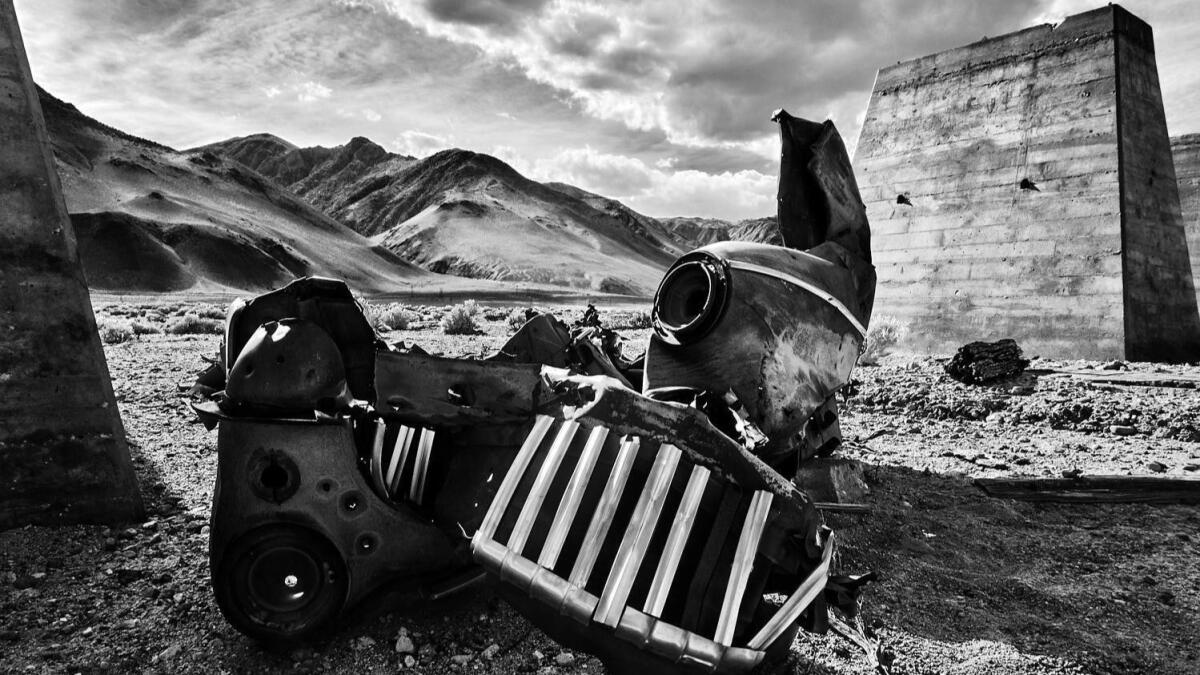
(639, 510)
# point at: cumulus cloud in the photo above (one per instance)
(420, 144)
(307, 92)
(707, 77)
(656, 190)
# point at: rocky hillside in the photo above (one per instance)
(470, 214)
(149, 218)
(695, 232)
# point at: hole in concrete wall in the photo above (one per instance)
(1027, 184)
(903, 199)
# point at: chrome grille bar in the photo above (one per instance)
(795, 605)
(573, 495)
(399, 457)
(416, 491)
(743, 562)
(541, 485)
(504, 494)
(602, 520)
(377, 454)
(637, 537)
(681, 527)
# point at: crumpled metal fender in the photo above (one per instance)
(780, 327)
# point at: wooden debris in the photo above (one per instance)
(982, 362)
(1097, 489)
(1131, 379)
(834, 507)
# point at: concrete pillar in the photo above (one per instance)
(1022, 187)
(1186, 150)
(63, 454)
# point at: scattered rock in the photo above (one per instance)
(1157, 467)
(564, 658)
(404, 643)
(25, 581)
(168, 654)
(1122, 430)
(461, 659)
(490, 651)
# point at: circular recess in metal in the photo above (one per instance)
(280, 583)
(691, 298)
(273, 475)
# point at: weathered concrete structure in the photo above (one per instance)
(63, 455)
(1022, 187)
(1186, 151)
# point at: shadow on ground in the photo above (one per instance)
(1109, 588)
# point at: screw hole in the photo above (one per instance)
(274, 477)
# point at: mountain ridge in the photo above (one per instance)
(152, 218)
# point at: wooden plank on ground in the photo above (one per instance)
(1133, 378)
(1097, 489)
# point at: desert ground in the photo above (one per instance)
(968, 584)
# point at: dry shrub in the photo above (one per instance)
(519, 317)
(394, 318)
(191, 324)
(884, 333)
(140, 328)
(114, 332)
(632, 320)
(211, 312)
(461, 319)
(494, 314)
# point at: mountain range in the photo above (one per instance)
(252, 212)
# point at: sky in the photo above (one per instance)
(664, 105)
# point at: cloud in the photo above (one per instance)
(499, 14)
(307, 92)
(420, 144)
(650, 100)
(707, 77)
(658, 190)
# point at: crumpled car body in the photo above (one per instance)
(639, 510)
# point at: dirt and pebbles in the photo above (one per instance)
(968, 584)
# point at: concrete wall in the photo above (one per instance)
(975, 256)
(1186, 150)
(63, 455)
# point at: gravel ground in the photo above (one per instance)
(968, 584)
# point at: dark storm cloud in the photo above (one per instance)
(500, 14)
(808, 55)
(579, 35)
